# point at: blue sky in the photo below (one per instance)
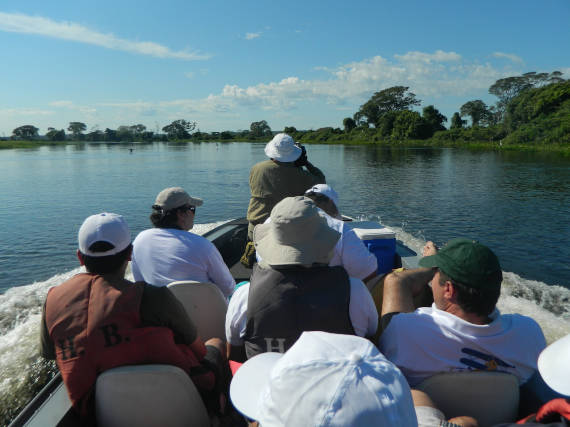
(225, 64)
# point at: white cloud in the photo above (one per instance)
(251, 36)
(61, 103)
(437, 56)
(189, 74)
(19, 23)
(509, 56)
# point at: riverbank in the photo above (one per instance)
(562, 149)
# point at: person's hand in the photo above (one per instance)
(429, 249)
(302, 160)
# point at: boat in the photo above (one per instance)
(51, 406)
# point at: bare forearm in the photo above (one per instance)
(401, 287)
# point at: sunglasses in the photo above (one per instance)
(189, 208)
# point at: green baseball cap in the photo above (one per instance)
(468, 262)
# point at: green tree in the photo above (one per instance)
(457, 122)
(348, 124)
(508, 88)
(110, 135)
(76, 128)
(95, 135)
(290, 130)
(410, 125)
(259, 129)
(179, 129)
(25, 132)
(434, 118)
(55, 135)
(137, 130)
(396, 98)
(475, 109)
(386, 123)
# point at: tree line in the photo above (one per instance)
(531, 107)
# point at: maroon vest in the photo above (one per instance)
(95, 325)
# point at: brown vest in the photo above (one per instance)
(95, 325)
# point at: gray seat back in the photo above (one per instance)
(148, 396)
(206, 306)
(489, 397)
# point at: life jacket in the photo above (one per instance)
(95, 325)
(284, 303)
(553, 411)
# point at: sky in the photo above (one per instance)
(225, 64)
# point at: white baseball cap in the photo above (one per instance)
(104, 227)
(325, 190)
(282, 148)
(324, 379)
(554, 365)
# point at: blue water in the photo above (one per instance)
(518, 204)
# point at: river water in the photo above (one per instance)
(516, 203)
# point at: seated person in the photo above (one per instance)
(333, 380)
(462, 330)
(168, 252)
(97, 320)
(293, 289)
(350, 251)
(325, 198)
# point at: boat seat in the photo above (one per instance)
(489, 397)
(148, 396)
(206, 306)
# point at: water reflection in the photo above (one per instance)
(516, 203)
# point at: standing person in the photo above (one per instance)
(97, 320)
(281, 176)
(462, 330)
(168, 252)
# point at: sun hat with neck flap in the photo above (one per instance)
(283, 149)
(324, 379)
(296, 235)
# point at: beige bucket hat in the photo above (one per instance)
(296, 235)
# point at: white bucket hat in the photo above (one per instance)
(282, 148)
(297, 234)
(324, 379)
(554, 365)
(325, 190)
(104, 227)
(174, 197)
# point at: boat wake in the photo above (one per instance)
(23, 372)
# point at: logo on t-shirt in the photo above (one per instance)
(483, 362)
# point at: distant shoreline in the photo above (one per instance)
(563, 149)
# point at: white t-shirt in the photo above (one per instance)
(430, 341)
(164, 255)
(361, 310)
(349, 250)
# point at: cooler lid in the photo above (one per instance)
(370, 230)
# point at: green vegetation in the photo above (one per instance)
(532, 113)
